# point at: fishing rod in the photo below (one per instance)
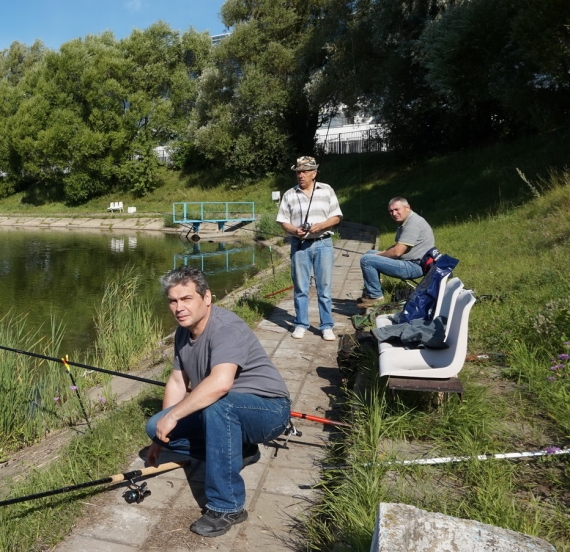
(344, 249)
(549, 451)
(325, 421)
(152, 382)
(85, 366)
(278, 292)
(135, 493)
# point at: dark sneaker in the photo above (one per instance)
(250, 454)
(214, 524)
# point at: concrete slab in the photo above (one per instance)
(87, 543)
(127, 526)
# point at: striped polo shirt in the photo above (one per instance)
(295, 204)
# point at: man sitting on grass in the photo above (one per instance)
(237, 399)
(414, 238)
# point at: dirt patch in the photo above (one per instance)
(173, 532)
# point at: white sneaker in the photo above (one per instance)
(298, 333)
(328, 335)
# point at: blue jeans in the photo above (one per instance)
(221, 430)
(318, 256)
(373, 265)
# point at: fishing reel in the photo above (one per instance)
(136, 493)
(306, 227)
(290, 430)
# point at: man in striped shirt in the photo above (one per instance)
(308, 212)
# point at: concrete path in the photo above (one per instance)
(279, 486)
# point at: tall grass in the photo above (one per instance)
(37, 396)
(40, 524)
(127, 332)
(546, 378)
(363, 475)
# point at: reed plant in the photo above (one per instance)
(37, 396)
(127, 331)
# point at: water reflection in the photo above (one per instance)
(47, 273)
(220, 259)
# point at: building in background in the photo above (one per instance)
(350, 134)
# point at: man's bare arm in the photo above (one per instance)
(174, 392)
(175, 389)
(207, 392)
(396, 251)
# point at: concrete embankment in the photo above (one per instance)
(85, 223)
(114, 223)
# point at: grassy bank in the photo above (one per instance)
(516, 260)
(107, 449)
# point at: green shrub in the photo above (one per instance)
(266, 227)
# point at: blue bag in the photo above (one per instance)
(422, 301)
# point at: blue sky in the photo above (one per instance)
(57, 21)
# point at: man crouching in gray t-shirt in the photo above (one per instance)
(238, 398)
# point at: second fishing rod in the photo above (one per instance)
(263, 233)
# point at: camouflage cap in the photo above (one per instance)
(305, 163)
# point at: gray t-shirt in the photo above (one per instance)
(227, 338)
(416, 233)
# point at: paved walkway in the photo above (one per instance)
(279, 486)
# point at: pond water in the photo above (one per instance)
(61, 274)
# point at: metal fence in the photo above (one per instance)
(359, 141)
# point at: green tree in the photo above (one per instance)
(252, 111)
(19, 69)
(97, 109)
(503, 66)
(538, 85)
(373, 65)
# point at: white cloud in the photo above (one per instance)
(134, 5)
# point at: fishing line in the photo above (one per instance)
(287, 235)
(154, 382)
